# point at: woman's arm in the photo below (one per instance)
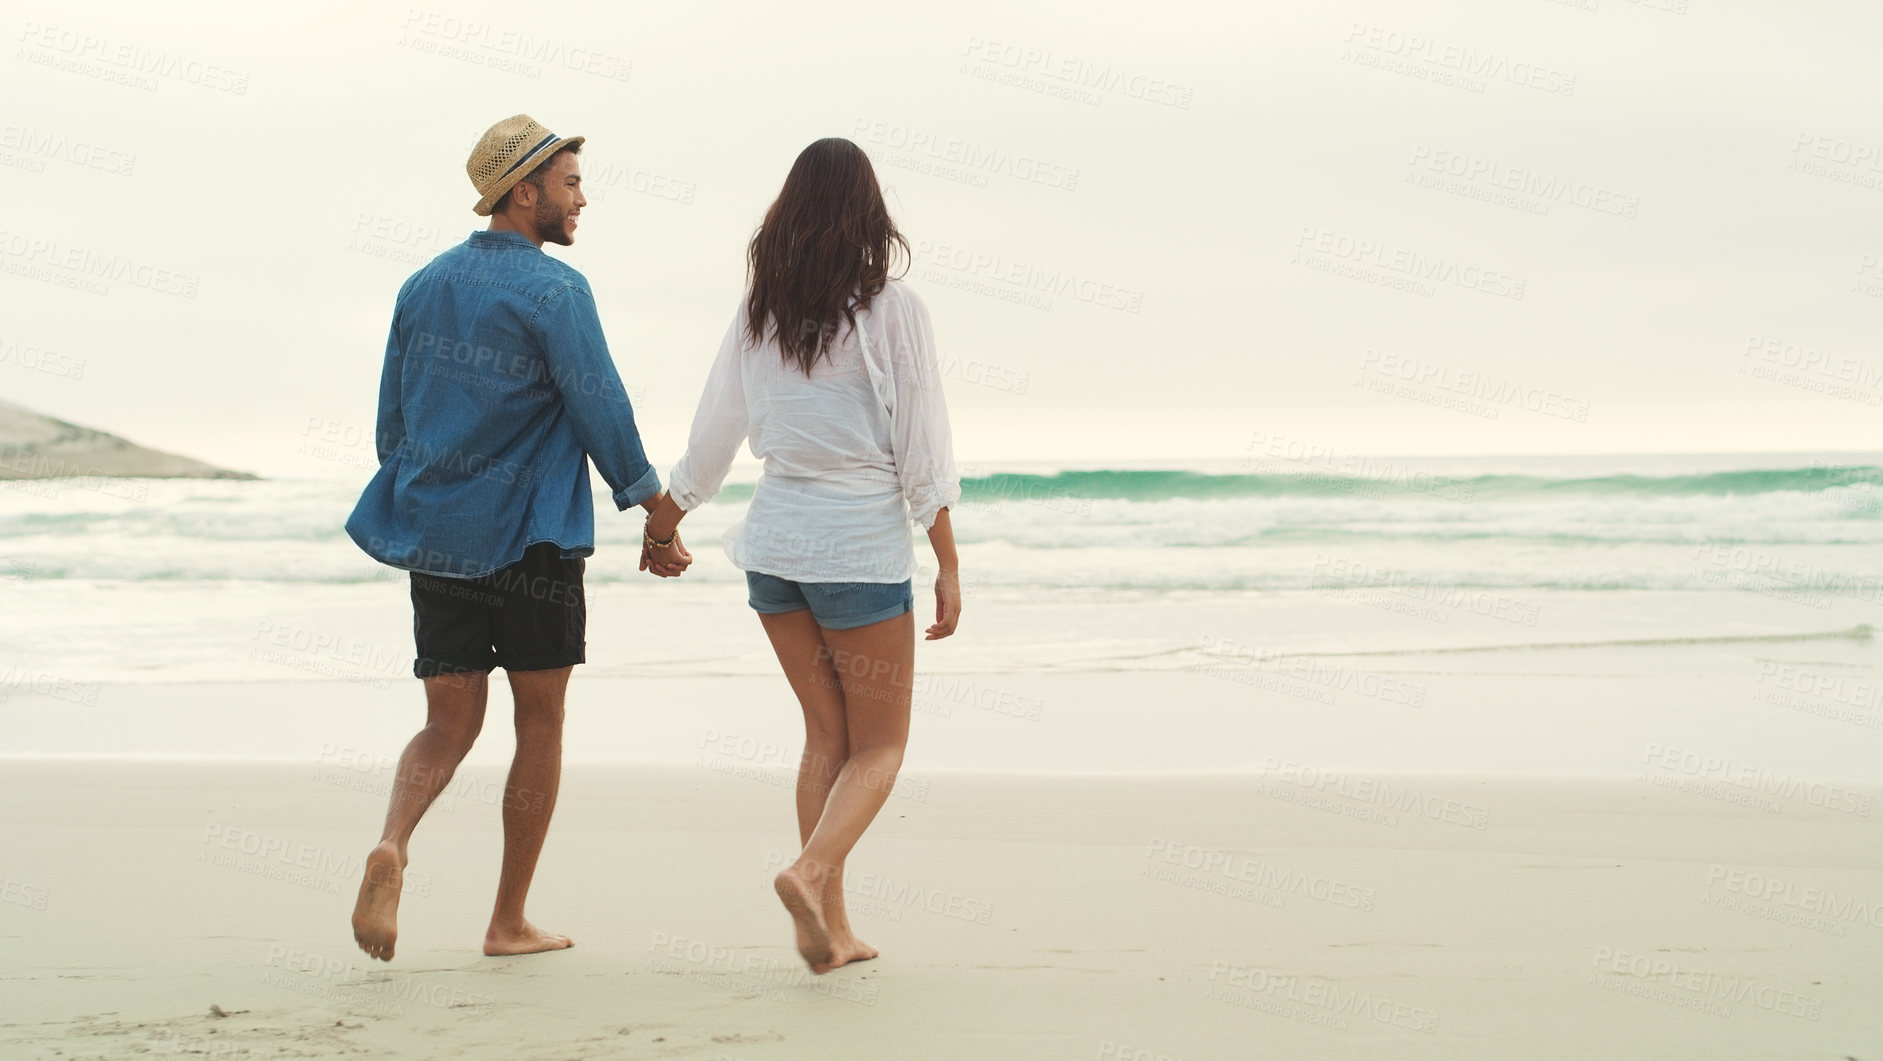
(924, 446)
(941, 536)
(720, 423)
(923, 443)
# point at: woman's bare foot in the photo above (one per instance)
(525, 938)
(806, 909)
(849, 949)
(376, 913)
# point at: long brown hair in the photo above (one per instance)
(826, 241)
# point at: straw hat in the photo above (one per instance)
(509, 152)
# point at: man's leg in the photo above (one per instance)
(529, 799)
(454, 714)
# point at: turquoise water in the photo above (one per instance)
(1334, 481)
(1704, 522)
(1064, 567)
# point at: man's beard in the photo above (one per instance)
(550, 221)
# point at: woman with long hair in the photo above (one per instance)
(829, 368)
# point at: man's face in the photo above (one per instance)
(560, 199)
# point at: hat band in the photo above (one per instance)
(531, 153)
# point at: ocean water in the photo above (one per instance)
(1067, 568)
(1558, 522)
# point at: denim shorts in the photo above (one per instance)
(835, 605)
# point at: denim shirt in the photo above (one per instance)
(497, 390)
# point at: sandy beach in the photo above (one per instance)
(1404, 784)
(1281, 912)
(1419, 572)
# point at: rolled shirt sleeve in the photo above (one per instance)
(582, 371)
(924, 443)
(720, 423)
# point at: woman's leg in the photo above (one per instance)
(799, 644)
(874, 665)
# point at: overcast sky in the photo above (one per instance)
(1159, 231)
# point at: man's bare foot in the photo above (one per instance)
(851, 949)
(528, 939)
(806, 909)
(376, 913)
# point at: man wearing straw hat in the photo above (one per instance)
(497, 391)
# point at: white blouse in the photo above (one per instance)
(851, 452)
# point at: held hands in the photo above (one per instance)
(947, 604)
(661, 551)
(669, 562)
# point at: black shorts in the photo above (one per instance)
(530, 615)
